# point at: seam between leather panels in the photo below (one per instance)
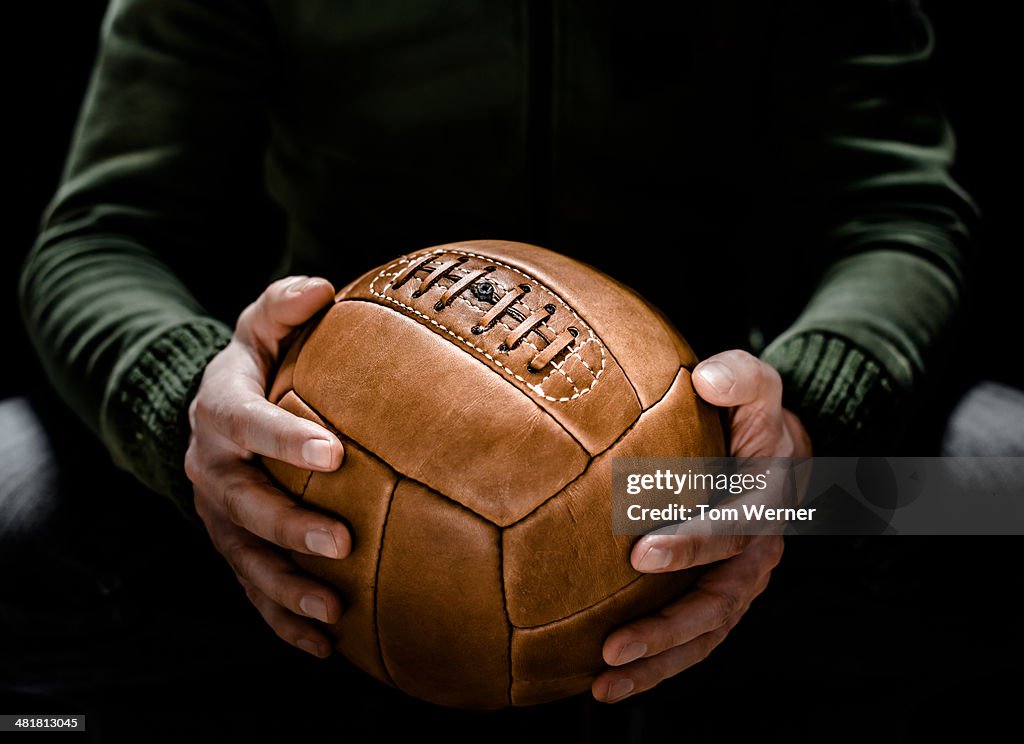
(583, 609)
(597, 455)
(404, 476)
(531, 398)
(383, 530)
(376, 583)
(504, 606)
(305, 487)
(585, 470)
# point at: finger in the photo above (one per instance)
(801, 439)
(290, 627)
(718, 595)
(249, 500)
(663, 553)
(617, 684)
(282, 581)
(257, 425)
(736, 378)
(283, 306)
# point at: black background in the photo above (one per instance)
(892, 639)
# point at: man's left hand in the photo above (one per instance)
(654, 648)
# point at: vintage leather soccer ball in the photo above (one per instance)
(481, 390)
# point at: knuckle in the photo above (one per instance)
(239, 420)
(723, 605)
(772, 380)
(684, 552)
(706, 644)
(231, 420)
(248, 317)
(281, 531)
(736, 544)
(248, 588)
(761, 420)
(241, 558)
(233, 500)
(192, 465)
(201, 409)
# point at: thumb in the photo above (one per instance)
(736, 378)
(283, 306)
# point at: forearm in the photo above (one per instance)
(861, 346)
(163, 173)
(872, 157)
(123, 342)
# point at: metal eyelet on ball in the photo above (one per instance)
(484, 291)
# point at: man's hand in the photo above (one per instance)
(250, 522)
(660, 646)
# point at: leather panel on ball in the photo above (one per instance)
(441, 615)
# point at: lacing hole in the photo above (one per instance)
(438, 307)
(489, 269)
(417, 293)
(502, 347)
(573, 330)
(484, 291)
(550, 309)
(525, 288)
(477, 330)
(531, 370)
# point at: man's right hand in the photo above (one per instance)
(251, 523)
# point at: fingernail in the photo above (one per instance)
(303, 286)
(317, 453)
(631, 652)
(619, 689)
(292, 285)
(314, 606)
(322, 543)
(654, 559)
(311, 647)
(718, 376)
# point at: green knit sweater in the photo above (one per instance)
(758, 170)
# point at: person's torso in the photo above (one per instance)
(625, 135)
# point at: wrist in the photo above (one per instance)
(839, 393)
(144, 420)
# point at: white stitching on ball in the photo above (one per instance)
(537, 389)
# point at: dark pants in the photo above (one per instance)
(114, 606)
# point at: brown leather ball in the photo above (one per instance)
(481, 390)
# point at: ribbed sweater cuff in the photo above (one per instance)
(145, 422)
(841, 395)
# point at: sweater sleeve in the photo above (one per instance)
(162, 176)
(868, 155)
